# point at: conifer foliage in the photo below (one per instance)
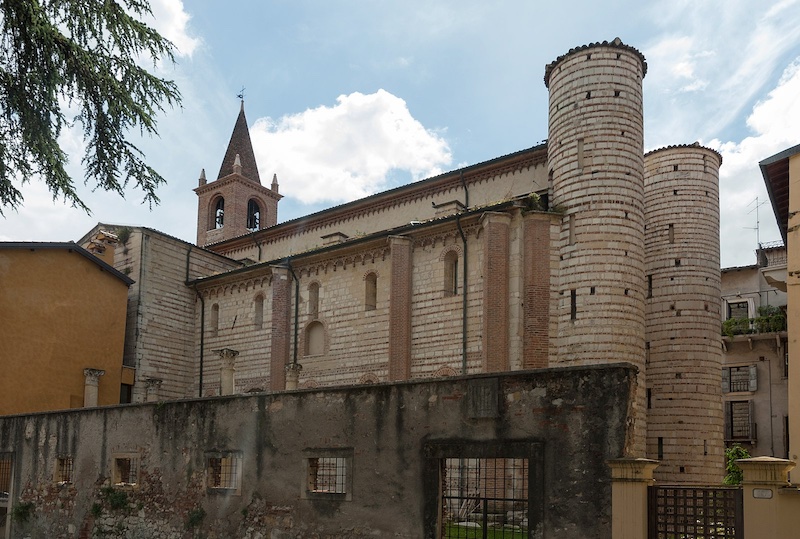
(81, 63)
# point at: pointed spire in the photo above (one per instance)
(241, 145)
(202, 180)
(274, 185)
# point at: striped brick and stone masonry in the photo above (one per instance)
(685, 416)
(400, 309)
(595, 155)
(537, 290)
(495, 297)
(281, 327)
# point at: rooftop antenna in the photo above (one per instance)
(758, 223)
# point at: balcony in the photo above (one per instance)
(769, 320)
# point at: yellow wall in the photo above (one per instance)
(793, 310)
(59, 314)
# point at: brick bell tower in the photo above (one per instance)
(235, 203)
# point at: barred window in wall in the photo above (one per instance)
(223, 471)
(5, 476)
(743, 378)
(327, 475)
(64, 470)
(126, 470)
(739, 421)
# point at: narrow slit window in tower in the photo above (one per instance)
(573, 305)
(370, 292)
(671, 233)
(580, 154)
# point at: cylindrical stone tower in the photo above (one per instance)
(684, 371)
(595, 154)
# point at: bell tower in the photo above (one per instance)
(235, 203)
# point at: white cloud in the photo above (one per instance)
(347, 151)
(706, 72)
(172, 21)
(773, 122)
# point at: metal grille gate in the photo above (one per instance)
(485, 498)
(685, 512)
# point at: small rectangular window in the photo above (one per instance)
(224, 471)
(328, 474)
(64, 470)
(126, 469)
(660, 448)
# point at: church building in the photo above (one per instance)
(582, 250)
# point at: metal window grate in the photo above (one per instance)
(327, 474)
(485, 498)
(695, 512)
(126, 470)
(5, 477)
(740, 378)
(223, 472)
(64, 470)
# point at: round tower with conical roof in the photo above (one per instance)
(684, 371)
(595, 154)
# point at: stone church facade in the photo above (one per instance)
(579, 251)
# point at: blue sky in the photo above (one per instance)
(347, 98)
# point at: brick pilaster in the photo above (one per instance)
(495, 293)
(536, 291)
(400, 309)
(281, 327)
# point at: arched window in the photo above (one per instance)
(258, 317)
(213, 324)
(451, 273)
(313, 300)
(219, 213)
(315, 339)
(370, 291)
(253, 215)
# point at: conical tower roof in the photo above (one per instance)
(240, 145)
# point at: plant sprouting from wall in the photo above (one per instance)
(23, 511)
(195, 517)
(732, 454)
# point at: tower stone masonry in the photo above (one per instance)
(596, 162)
(684, 368)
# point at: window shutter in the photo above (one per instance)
(752, 413)
(726, 379)
(753, 378)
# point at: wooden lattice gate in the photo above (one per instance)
(685, 512)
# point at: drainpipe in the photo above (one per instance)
(296, 307)
(464, 280)
(202, 336)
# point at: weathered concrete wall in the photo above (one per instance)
(574, 419)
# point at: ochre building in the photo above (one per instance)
(63, 328)
(579, 251)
